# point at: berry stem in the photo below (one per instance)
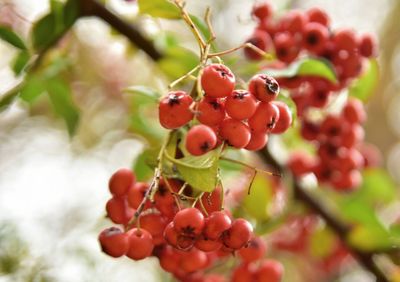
(207, 19)
(265, 55)
(187, 75)
(256, 170)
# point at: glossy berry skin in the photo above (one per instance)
(286, 48)
(136, 194)
(240, 104)
(244, 273)
(193, 260)
(285, 118)
(257, 141)
(238, 235)
(354, 111)
(155, 224)
(265, 118)
(121, 181)
(317, 15)
(264, 87)
(235, 133)
(315, 36)
(261, 40)
(114, 242)
(269, 271)
(174, 110)
(217, 81)
(169, 259)
(189, 221)
(140, 244)
(211, 111)
(200, 139)
(212, 202)
(254, 250)
(216, 224)
(367, 46)
(177, 240)
(116, 210)
(262, 11)
(207, 245)
(345, 39)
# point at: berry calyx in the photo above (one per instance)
(189, 221)
(211, 111)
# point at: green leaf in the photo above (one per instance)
(32, 89)
(365, 85)
(369, 238)
(143, 91)
(322, 243)
(44, 32)
(144, 164)
(199, 172)
(178, 61)
(306, 67)
(71, 12)
(159, 9)
(257, 203)
(61, 99)
(20, 62)
(11, 37)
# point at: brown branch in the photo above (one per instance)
(341, 229)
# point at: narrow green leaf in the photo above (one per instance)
(369, 238)
(61, 99)
(20, 62)
(306, 67)
(365, 85)
(44, 32)
(12, 38)
(33, 88)
(71, 12)
(143, 91)
(159, 9)
(322, 242)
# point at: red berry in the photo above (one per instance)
(264, 118)
(200, 139)
(244, 273)
(117, 210)
(285, 118)
(211, 201)
(345, 39)
(257, 141)
(235, 133)
(317, 15)
(174, 110)
(193, 260)
(269, 271)
(211, 111)
(114, 242)
(264, 87)
(371, 154)
(169, 259)
(217, 81)
(261, 40)
(347, 181)
(315, 37)
(155, 225)
(189, 221)
(300, 163)
(309, 130)
(293, 22)
(207, 245)
(164, 200)
(136, 194)
(254, 250)
(177, 240)
(286, 48)
(140, 244)
(238, 235)
(215, 224)
(262, 10)
(240, 105)
(354, 111)
(367, 46)
(121, 181)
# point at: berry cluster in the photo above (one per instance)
(185, 240)
(241, 118)
(337, 138)
(309, 33)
